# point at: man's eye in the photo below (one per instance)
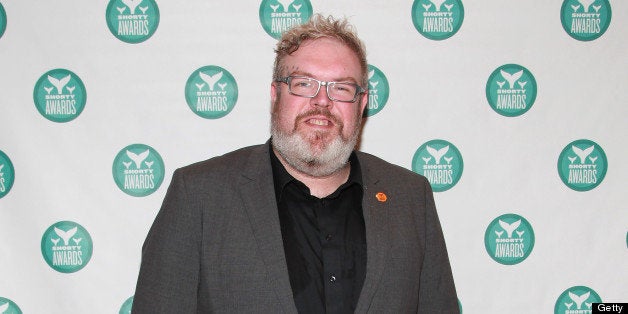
(343, 88)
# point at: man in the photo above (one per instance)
(302, 223)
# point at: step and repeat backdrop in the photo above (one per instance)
(516, 111)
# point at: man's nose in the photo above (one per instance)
(322, 98)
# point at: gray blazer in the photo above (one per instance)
(216, 245)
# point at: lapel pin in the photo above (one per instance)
(381, 197)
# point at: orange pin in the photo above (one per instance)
(381, 196)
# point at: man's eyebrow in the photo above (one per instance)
(339, 79)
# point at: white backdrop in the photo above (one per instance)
(135, 94)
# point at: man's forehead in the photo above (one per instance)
(320, 43)
(328, 53)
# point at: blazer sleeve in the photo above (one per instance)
(169, 271)
(437, 293)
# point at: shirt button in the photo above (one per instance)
(332, 278)
(328, 237)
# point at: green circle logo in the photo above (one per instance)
(440, 162)
(378, 91)
(132, 21)
(509, 239)
(7, 174)
(9, 307)
(577, 299)
(138, 170)
(3, 22)
(582, 165)
(211, 92)
(437, 19)
(585, 20)
(60, 95)
(66, 246)
(277, 16)
(127, 306)
(511, 90)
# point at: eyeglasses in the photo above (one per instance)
(308, 87)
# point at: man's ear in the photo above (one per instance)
(274, 94)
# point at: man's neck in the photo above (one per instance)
(319, 186)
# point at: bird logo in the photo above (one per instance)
(437, 4)
(509, 228)
(285, 4)
(579, 299)
(137, 158)
(132, 4)
(373, 84)
(437, 153)
(583, 153)
(59, 83)
(585, 5)
(511, 78)
(65, 235)
(211, 80)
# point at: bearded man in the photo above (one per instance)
(304, 223)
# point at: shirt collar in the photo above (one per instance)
(281, 177)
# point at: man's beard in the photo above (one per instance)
(311, 154)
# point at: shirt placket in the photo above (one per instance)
(329, 225)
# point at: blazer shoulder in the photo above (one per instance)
(381, 169)
(226, 164)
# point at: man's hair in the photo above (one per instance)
(320, 27)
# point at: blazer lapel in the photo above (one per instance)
(377, 235)
(258, 195)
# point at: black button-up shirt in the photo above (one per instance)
(324, 241)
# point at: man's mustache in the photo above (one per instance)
(319, 112)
